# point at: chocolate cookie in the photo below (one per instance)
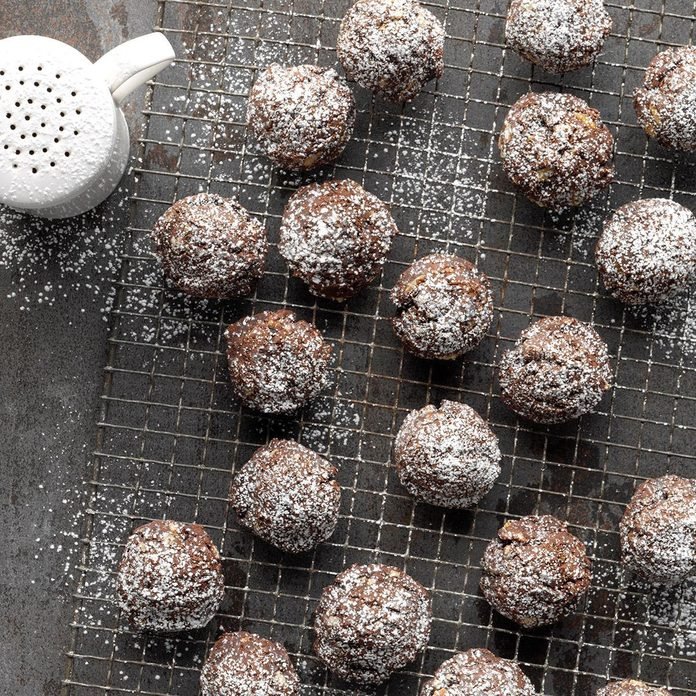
(556, 149)
(170, 577)
(371, 621)
(301, 116)
(631, 687)
(535, 572)
(478, 672)
(447, 456)
(658, 530)
(557, 371)
(288, 496)
(335, 236)
(391, 47)
(647, 251)
(666, 104)
(277, 363)
(210, 247)
(557, 35)
(443, 307)
(244, 664)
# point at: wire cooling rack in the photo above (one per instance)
(170, 435)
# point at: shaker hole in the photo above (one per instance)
(36, 84)
(21, 67)
(53, 164)
(34, 170)
(67, 154)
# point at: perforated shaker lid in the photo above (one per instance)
(57, 122)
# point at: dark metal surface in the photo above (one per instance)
(170, 434)
(55, 279)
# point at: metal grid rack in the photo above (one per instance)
(170, 435)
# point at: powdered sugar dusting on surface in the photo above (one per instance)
(558, 35)
(80, 249)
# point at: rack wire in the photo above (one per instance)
(170, 435)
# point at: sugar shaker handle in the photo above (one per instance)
(133, 63)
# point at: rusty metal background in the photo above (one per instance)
(171, 436)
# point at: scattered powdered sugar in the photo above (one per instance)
(81, 253)
(558, 35)
(447, 456)
(478, 672)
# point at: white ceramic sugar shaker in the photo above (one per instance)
(64, 141)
